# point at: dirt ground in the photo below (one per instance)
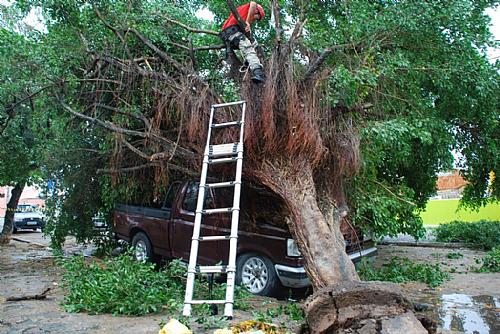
(468, 303)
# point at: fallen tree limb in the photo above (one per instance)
(29, 242)
(40, 296)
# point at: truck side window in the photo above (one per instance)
(169, 199)
(191, 198)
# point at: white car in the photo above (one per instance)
(28, 217)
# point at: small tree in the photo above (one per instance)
(18, 122)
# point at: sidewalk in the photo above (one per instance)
(429, 240)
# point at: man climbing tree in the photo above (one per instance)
(233, 36)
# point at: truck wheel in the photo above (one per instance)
(256, 272)
(143, 251)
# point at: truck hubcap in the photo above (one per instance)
(140, 252)
(254, 275)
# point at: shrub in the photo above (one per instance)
(403, 270)
(454, 255)
(483, 234)
(122, 285)
(491, 262)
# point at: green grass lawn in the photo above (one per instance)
(443, 211)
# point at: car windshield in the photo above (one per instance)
(26, 208)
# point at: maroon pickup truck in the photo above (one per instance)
(268, 257)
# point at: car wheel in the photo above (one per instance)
(256, 272)
(14, 230)
(142, 249)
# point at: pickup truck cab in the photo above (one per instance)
(268, 257)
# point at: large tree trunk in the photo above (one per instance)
(321, 244)
(341, 304)
(6, 233)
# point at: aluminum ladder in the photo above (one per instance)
(217, 154)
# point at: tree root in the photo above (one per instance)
(361, 307)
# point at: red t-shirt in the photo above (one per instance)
(231, 20)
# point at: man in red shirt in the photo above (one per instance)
(232, 35)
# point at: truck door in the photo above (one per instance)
(183, 227)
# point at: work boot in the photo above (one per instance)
(257, 75)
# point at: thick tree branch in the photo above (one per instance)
(9, 109)
(126, 169)
(142, 118)
(134, 149)
(115, 31)
(180, 169)
(321, 59)
(188, 28)
(163, 55)
(392, 193)
(168, 144)
(277, 22)
(142, 72)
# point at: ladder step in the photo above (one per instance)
(220, 210)
(211, 269)
(222, 160)
(225, 125)
(215, 301)
(222, 150)
(214, 238)
(227, 104)
(221, 184)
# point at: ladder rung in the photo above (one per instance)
(211, 269)
(221, 184)
(224, 125)
(214, 238)
(222, 150)
(220, 210)
(222, 160)
(215, 301)
(227, 104)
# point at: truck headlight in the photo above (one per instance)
(292, 249)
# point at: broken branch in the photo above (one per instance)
(40, 296)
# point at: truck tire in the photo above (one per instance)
(256, 272)
(142, 249)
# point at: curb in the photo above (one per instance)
(425, 244)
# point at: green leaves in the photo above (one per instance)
(403, 270)
(124, 286)
(483, 234)
(121, 286)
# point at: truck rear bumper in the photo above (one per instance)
(296, 277)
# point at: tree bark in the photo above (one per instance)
(321, 244)
(6, 233)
